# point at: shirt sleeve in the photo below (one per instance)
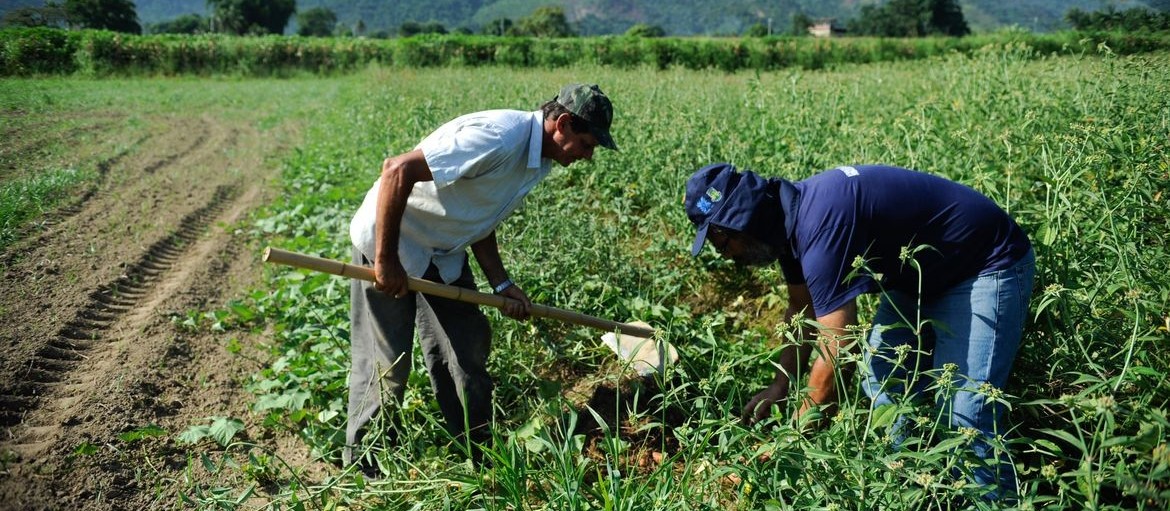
(828, 269)
(466, 152)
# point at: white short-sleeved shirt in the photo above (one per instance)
(483, 165)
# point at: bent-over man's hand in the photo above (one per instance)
(760, 407)
(518, 305)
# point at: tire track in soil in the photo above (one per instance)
(88, 328)
(25, 145)
(112, 361)
(72, 208)
(50, 363)
(91, 211)
(103, 170)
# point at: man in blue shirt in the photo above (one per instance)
(954, 272)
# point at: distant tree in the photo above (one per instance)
(902, 18)
(645, 30)
(499, 26)
(591, 24)
(547, 21)
(316, 22)
(1130, 20)
(185, 24)
(433, 27)
(116, 15)
(462, 31)
(51, 15)
(946, 18)
(1077, 18)
(1160, 5)
(252, 16)
(757, 30)
(411, 28)
(911, 18)
(800, 24)
(359, 28)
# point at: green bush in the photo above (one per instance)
(29, 51)
(38, 51)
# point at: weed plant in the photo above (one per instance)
(1073, 146)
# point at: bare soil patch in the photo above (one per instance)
(89, 348)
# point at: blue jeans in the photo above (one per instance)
(976, 326)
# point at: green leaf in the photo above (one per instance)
(224, 428)
(85, 449)
(884, 416)
(194, 434)
(245, 313)
(1049, 445)
(327, 415)
(270, 401)
(208, 465)
(1148, 438)
(245, 495)
(1066, 436)
(141, 433)
(819, 454)
(536, 445)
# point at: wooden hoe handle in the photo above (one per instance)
(278, 256)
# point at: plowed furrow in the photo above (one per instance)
(72, 208)
(199, 142)
(87, 329)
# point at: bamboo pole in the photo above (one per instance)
(332, 267)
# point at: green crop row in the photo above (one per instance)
(1074, 147)
(41, 51)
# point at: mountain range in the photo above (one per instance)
(676, 17)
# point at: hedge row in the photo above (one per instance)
(49, 51)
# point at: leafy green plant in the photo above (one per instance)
(142, 433)
(1068, 144)
(221, 429)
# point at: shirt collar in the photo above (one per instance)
(536, 142)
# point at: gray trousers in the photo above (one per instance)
(455, 338)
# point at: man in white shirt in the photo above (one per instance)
(418, 219)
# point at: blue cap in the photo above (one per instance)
(719, 195)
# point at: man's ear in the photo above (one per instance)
(564, 123)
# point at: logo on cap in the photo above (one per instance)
(708, 200)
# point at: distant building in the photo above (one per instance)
(826, 28)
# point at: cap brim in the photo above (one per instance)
(700, 237)
(604, 139)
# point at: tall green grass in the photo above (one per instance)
(1074, 147)
(29, 199)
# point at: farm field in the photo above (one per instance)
(150, 361)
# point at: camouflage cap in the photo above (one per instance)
(589, 103)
